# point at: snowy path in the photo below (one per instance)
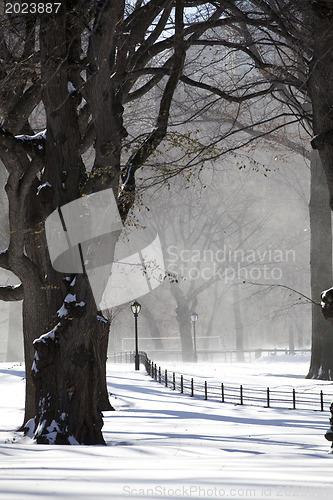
(165, 445)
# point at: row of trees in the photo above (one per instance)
(84, 67)
(217, 240)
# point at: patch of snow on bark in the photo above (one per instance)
(72, 440)
(30, 427)
(40, 135)
(48, 335)
(53, 430)
(70, 297)
(100, 318)
(62, 311)
(70, 87)
(43, 186)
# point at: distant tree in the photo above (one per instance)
(321, 365)
(197, 228)
(291, 50)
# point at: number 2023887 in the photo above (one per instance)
(31, 8)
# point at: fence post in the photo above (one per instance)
(268, 399)
(241, 394)
(222, 391)
(181, 384)
(166, 378)
(192, 388)
(321, 401)
(205, 390)
(174, 381)
(294, 399)
(159, 374)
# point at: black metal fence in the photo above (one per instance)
(303, 398)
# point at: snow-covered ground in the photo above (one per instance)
(161, 444)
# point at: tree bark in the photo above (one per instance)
(321, 94)
(70, 359)
(321, 366)
(68, 377)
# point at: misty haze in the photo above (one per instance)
(166, 189)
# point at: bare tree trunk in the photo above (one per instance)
(321, 366)
(155, 331)
(68, 377)
(183, 315)
(209, 329)
(239, 327)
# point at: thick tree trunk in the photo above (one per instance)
(35, 322)
(321, 366)
(321, 93)
(81, 82)
(66, 402)
(68, 377)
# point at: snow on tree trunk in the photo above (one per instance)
(68, 375)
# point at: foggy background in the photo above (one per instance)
(234, 232)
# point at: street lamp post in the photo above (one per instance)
(136, 308)
(194, 319)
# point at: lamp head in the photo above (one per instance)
(194, 317)
(136, 307)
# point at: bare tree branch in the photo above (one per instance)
(158, 134)
(225, 95)
(19, 114)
